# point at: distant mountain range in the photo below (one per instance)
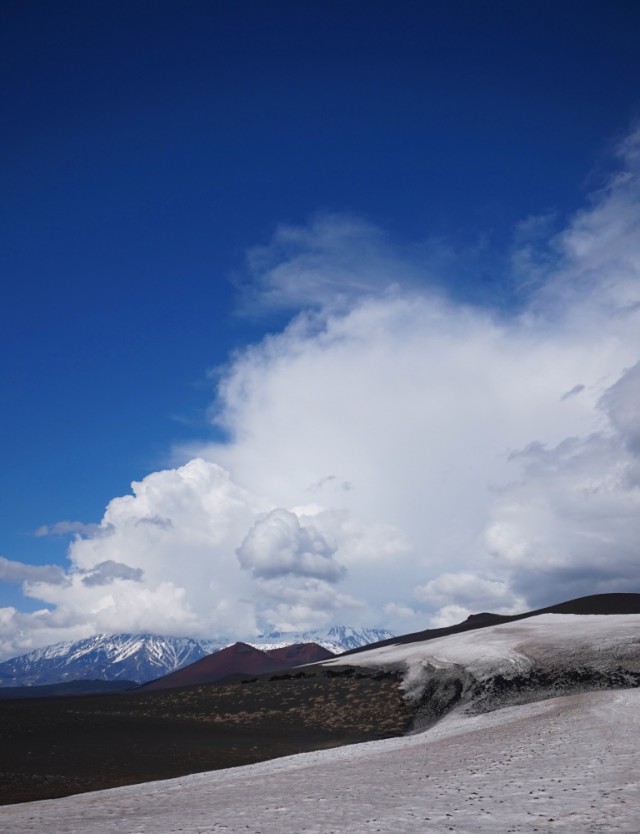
(109, 657)
(144, 657)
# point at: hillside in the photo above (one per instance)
(567, 765)
(523, 660)
(475, 676)
(601, 604)
(240, 659)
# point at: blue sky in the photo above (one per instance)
(181, 179)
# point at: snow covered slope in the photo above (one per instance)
(558, 638)
(565, 765)
(540, 657)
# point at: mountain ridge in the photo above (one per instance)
(145, 657)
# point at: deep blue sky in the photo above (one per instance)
(145, 146)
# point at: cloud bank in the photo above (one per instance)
(393, 457)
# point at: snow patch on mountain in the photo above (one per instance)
(336, 639)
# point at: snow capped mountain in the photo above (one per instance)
(336, 639)
(139, 658)
(144, 657)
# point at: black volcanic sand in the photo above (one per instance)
(53, 747)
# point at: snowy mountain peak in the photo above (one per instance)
(336, 639)
(135, 657)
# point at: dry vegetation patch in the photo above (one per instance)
(57, 746)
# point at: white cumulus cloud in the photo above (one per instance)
(459, 458)
(278, 545)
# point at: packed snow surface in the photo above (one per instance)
(548, 639)
(568, 764)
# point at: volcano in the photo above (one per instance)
(238, 660)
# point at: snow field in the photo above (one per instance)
(565, 765)
(561, 640)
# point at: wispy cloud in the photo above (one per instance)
(332, 262)
(69, 528)
(13, 571)
(577, 389)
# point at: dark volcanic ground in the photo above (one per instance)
(58, 746)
